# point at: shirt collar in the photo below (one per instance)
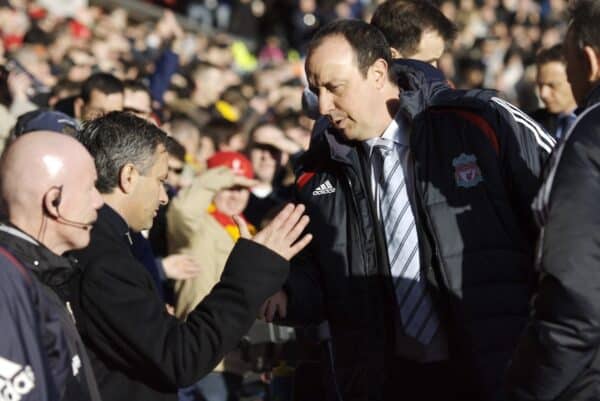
(395, 132)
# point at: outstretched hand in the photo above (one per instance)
(282, 233)
(275, 305)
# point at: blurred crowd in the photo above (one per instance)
(247, 66)
(229, 94)
(495, 47)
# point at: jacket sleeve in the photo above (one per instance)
(133, 331)
(166, 65)
(24, 370)
(563, 334)
(525, 148)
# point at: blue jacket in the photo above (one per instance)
(44, 334)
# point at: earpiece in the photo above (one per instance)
(56, 201)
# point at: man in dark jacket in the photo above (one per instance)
(473, 163)
(47, 185)
(555, 92)
(139, 351)
(558, 354)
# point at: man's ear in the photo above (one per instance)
(379, 72)
(395, 53)
(593, 63)
(51, 201)
(128, 178)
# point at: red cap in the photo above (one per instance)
(234, 160)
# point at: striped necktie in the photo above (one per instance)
(416, 307)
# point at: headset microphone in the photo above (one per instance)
(73, 223)
(77, 224)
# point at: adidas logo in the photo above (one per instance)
(16, 381)
(324, 189)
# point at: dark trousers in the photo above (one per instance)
(437, 381)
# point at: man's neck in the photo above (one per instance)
(118, 204)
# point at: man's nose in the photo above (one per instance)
(325, 103)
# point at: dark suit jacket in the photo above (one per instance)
(140, 352)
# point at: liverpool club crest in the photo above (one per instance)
(466, 171)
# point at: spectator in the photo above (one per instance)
(100, 94)
(555, 92)
(200, 223)
(415, 29)
(269, 152)
(137, 99)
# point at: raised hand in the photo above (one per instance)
(282, 233)
(180, 267)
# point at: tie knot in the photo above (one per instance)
(383, 147)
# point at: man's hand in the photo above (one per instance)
(281, 233)
(180, 267)
(19, 85)
(241, 180)
(275, 304)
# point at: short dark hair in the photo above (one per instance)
(175, 149)
(101, 82)
(404, 21)
(367, 42)
(550, 54)
(221, 131)
(135, 85)
(583, 24)
(118, 138)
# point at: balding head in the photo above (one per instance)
(47, 182)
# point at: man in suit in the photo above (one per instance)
(555, 92)
(139, 351)
(558, 355)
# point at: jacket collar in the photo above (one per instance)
(593, 97)
(107, 216)
(50, 268)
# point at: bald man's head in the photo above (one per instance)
(47, 183)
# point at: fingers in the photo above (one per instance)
(282, 308)
(298, 229)
(279, 220)
(244, 232)
(271, 310)
(300, 245)
(284, 230)
(244, 181)
(263, 309)
(277, 305)
(293, 219)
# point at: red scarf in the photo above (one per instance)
(227, 222)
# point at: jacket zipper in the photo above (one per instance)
(360, 224)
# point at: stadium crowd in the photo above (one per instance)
(217, 133)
